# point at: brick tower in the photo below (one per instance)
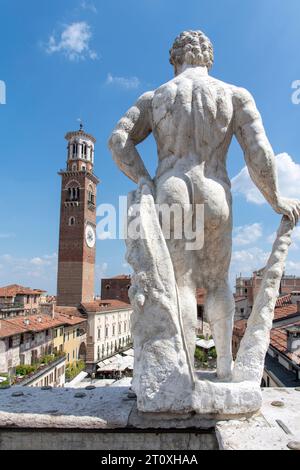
(77, 233)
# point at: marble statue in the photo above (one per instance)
(193, 118)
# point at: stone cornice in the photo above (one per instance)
(80, 133)
(91, 176)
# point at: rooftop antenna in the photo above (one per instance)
(81, 123)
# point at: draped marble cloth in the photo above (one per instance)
(164, 379)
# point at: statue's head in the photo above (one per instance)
(192, 48)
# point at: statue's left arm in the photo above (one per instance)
(259, 155)
(132, 129)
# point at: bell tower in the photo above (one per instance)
(77, 233)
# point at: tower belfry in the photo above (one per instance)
(77, 233)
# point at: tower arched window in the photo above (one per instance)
(91, 197)
(84, 150)
(75, 150)
(74, 167)
(73, 194)
(72, 221)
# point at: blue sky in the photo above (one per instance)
(65, 59)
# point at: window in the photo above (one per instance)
(74, 334)
(120, 328)
(61, 331)
(91, 197)
(74, 167)
(83, 167)
(84, 150)
(73, 354)
(10, 342)
(113, 330)
(55, 333)
(98, 353)
(32, 337)
(28, 299)
(106, 331)
(75, 150)
(72, 221)
(99, 333)
(73, 194)
(22, 339)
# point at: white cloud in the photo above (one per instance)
(293, 267)
(7, 235)
(247, 261)
(128, 83)
(85, 5)
(37, 272)
(100, 271)
(105, 236)
(288, 179)
(247, 234)
(74, 42)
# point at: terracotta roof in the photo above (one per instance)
(285, 311)
(67, 310)
(238, 298)
(283, 300)
(105, 305)
(119, 276)
(36, 323)
(279, 341)
(13, 289)
(8, 329)
(70, 319)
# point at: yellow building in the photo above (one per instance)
(71, 337)
(58, 339)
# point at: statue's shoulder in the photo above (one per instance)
(241, 96)
(146, 98)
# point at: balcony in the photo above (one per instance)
(12, 306)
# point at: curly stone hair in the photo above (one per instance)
(192, 47)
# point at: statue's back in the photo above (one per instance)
(192, 115)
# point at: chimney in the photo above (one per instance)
(293, 338)
(26, 321)
(40, 319)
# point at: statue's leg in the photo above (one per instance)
(220, 309)
(186, 293)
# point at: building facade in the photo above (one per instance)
(282, 363)
(116, 287)
(109, 329)
(246, 290)
(77, 234)
(16, 300)
(27, 340)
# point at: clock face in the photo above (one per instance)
(90, 236)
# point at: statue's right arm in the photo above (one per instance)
(259, 155)
(132, 129)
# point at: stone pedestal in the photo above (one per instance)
(106, 419)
